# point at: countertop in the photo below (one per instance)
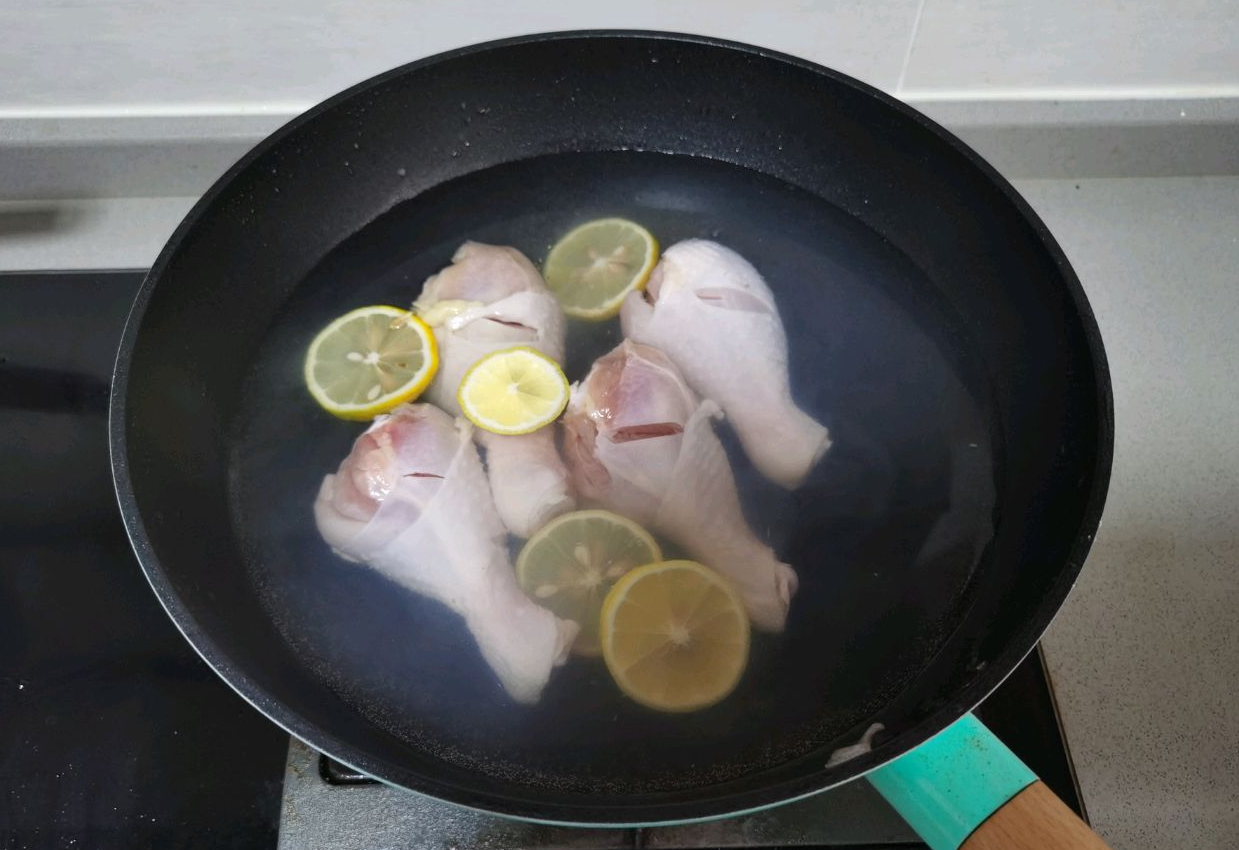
(1145, 654)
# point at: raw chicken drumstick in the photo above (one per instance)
(714, 316)
(411, 501)
(640, 442)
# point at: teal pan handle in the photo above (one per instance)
(965, 787)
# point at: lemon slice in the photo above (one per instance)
(370, 360)
(514, 391)
(592, 268)
(675, 636)
(571, 562)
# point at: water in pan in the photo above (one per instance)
(885, 534)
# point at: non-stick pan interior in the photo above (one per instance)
(930, 325)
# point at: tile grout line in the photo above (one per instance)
(907, 54)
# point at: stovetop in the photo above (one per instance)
(329, 805)
(113, 733)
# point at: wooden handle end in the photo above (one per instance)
(1034, 819)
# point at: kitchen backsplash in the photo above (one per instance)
(67, 58)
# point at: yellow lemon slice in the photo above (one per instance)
(592, 268)
(370, 360)
(514, 391)
(571, 562)
(675, 636)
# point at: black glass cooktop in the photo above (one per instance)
(113, 733)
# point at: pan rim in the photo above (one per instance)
(638, 813)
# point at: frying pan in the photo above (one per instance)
(933, 324)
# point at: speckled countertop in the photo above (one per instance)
(1145, 654)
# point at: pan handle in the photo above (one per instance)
(965, 790)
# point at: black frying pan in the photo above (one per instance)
(933, 322)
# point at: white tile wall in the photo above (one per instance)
(91, 57)
(1074, 48)
(74, 57)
